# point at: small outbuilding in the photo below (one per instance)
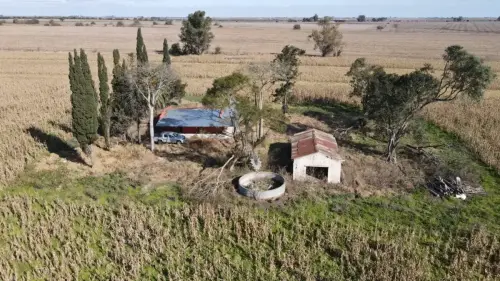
(315, 156)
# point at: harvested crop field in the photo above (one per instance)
(35, 89)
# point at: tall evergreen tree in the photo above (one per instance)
(141, 52)
(83, 102)
(116, 57)
(166, 55)
(121, 106)
(104, 97)
(87, 73)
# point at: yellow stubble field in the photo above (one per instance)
(34, 88)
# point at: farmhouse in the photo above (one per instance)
(195, 121)
(315, 156)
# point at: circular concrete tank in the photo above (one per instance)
(276, 190)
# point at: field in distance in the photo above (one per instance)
(35, 90)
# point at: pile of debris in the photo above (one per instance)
(453, 188)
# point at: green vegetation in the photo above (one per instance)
(112, 227)
(166, 55)
(83, 102)
(393, 101)
(196, 33)
(141, 52)
(286, 71)
(105, 110)
(328, 39)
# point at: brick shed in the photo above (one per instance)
(315, 156)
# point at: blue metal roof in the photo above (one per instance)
(195, 117)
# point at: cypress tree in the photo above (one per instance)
(121, 103)
(116, 57)
(87, 74)
(166, 55)
(84, 104)
(104, 97)
(142, 55)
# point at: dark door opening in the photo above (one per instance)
(320, 173)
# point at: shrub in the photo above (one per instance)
(218, 50)
(29, 21)
(53, 23)
(380, 27)
(176, 50)
(296, 27)
(169, 22)
(92, 23)
(155, 23)
(220, 26)
(361, 18)
(32, 21)
(79, 24)
(120, 24)
(136, 23)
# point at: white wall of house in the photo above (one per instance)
(228, 133)
(317, 159)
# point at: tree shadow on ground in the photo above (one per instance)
(64, 127)
(55, 145)
(209, 153)
(341, 118)
(280, 157)
(335, 114)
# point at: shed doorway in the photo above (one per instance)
(320, 173)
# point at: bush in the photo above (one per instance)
(176, 50)
(220, 26)
(155, 23)
(53, 23)
(136, 23)
(79, 24)
(218, 50)
(120, 24)
(92, 23)
(169, 22)
(30, 21)
(380, 27)
(296, 27)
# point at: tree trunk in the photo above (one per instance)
(107, 135)
(285, 104)
(391, 149)
(261, 121)
(87, 149)
(138, 121)
(151, 127)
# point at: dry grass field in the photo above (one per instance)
(34, 86)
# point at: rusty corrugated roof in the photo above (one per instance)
(312, 141)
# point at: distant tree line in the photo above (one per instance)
(363, 18)
(314, 18)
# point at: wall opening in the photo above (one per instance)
(320, 173)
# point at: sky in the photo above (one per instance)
(255, 8)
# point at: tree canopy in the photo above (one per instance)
(286, 71)
(328, 39)
(393, 100)
(83, 101)
(196, 33)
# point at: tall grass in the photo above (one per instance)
(64, 240)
